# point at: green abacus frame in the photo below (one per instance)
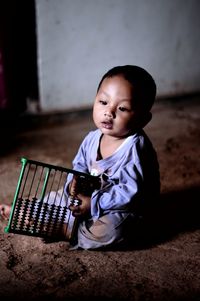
(37, 216)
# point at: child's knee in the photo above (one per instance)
(104, 228)
(98, 234)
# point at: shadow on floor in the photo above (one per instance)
(176, 212)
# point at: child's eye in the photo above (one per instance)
(103, 102)
(123, 109)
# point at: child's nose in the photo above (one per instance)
(110, 113)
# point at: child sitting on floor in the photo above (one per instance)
(121, 154)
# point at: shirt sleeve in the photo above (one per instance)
(120, 193)
(79, 162)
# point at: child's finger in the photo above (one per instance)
(75, 210)
(73, 186)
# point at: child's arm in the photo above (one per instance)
(78, 190)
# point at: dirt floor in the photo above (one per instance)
(164, 265)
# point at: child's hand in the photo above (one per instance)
(81, 189)
(81, 185)
(84, 208)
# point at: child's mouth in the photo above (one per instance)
(107, 125)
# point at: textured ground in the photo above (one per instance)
(165, 267)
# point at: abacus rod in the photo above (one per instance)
(24, 162)
(45, 184)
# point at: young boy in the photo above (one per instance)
(122, 155)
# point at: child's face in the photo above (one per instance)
(113, 110)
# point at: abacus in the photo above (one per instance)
(40, 206)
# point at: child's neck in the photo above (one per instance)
(108, 145)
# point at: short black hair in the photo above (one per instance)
(144, 86)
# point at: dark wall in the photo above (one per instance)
(19, 55)
(18, 66)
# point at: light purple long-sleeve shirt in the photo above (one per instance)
(130, 176)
